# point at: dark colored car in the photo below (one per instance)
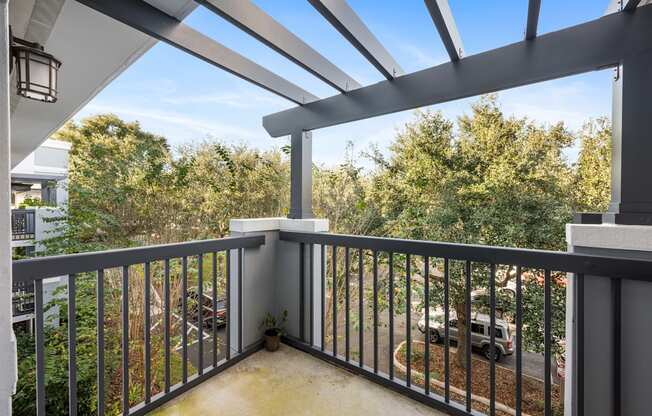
(207, 310)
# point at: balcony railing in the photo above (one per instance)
(144, 269)
(376, 267)
(23, 224)
(321, 253)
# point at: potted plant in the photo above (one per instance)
(274, 328)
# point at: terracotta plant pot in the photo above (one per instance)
(272, 339)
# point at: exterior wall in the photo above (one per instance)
(48, 162)
(600, 365)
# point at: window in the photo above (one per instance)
(477, 328)
(499, 333)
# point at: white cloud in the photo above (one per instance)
(236, 99)
(421, 57)
(162, 118)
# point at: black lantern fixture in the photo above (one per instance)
(36, 71)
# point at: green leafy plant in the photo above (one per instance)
(273, 325)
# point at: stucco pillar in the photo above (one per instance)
(271, 282)
(617, 325)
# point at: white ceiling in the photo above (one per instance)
(93, 48)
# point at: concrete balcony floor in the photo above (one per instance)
(290, 382)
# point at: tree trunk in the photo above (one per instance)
(460, 358)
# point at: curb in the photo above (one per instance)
(440, 384)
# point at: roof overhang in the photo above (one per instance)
(94, 49)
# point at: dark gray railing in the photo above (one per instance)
(33, 271)
(549, 266)
(23, 224)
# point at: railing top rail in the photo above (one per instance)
(39, 268)
(616, 267)
(21, 210)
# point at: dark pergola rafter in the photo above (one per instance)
(586, 47)
(347, 22)
(150, 20)
(251, 19)
(533, 9)
(443, 19)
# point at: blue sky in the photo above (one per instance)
(187, 100)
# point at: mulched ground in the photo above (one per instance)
(533, 389)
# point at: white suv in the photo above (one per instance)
(480, 337)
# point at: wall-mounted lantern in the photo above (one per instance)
(36, 70)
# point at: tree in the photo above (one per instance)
(592, 182)
(498, 181)
(117, 173)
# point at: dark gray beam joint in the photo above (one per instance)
(301, 175)
(534, 7)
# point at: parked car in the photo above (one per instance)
(480, 335)
(207, 310)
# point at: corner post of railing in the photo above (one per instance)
(252, 275)
(273, 279)
(7, 339)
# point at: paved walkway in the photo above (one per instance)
(289, 382)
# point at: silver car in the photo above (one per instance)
(480, 335)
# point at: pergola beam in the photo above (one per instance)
(597, 44)
(616, 6)
(629, 5)
(443, 19)
(534, 7)
(349, 24)
(251, 19)
(152, 21)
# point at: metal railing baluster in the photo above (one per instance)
(214, 308)
(426, 295)
(492, 340)
(408, 321)
(311, 275)
(166, 323)
(40, 348)
(323, 297)
(146, 330)
(390, 265)
(519, 341)
(302, 292)
(72, 345)
(361, 307)
(184, 319)
(228, 315)
(347, 276)
(467, 319)
(200, 313)
(240, 291)
(375, 306)
(447, 339)
(334, 299)
(100, 341)
(125, 340)
(547, 343)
